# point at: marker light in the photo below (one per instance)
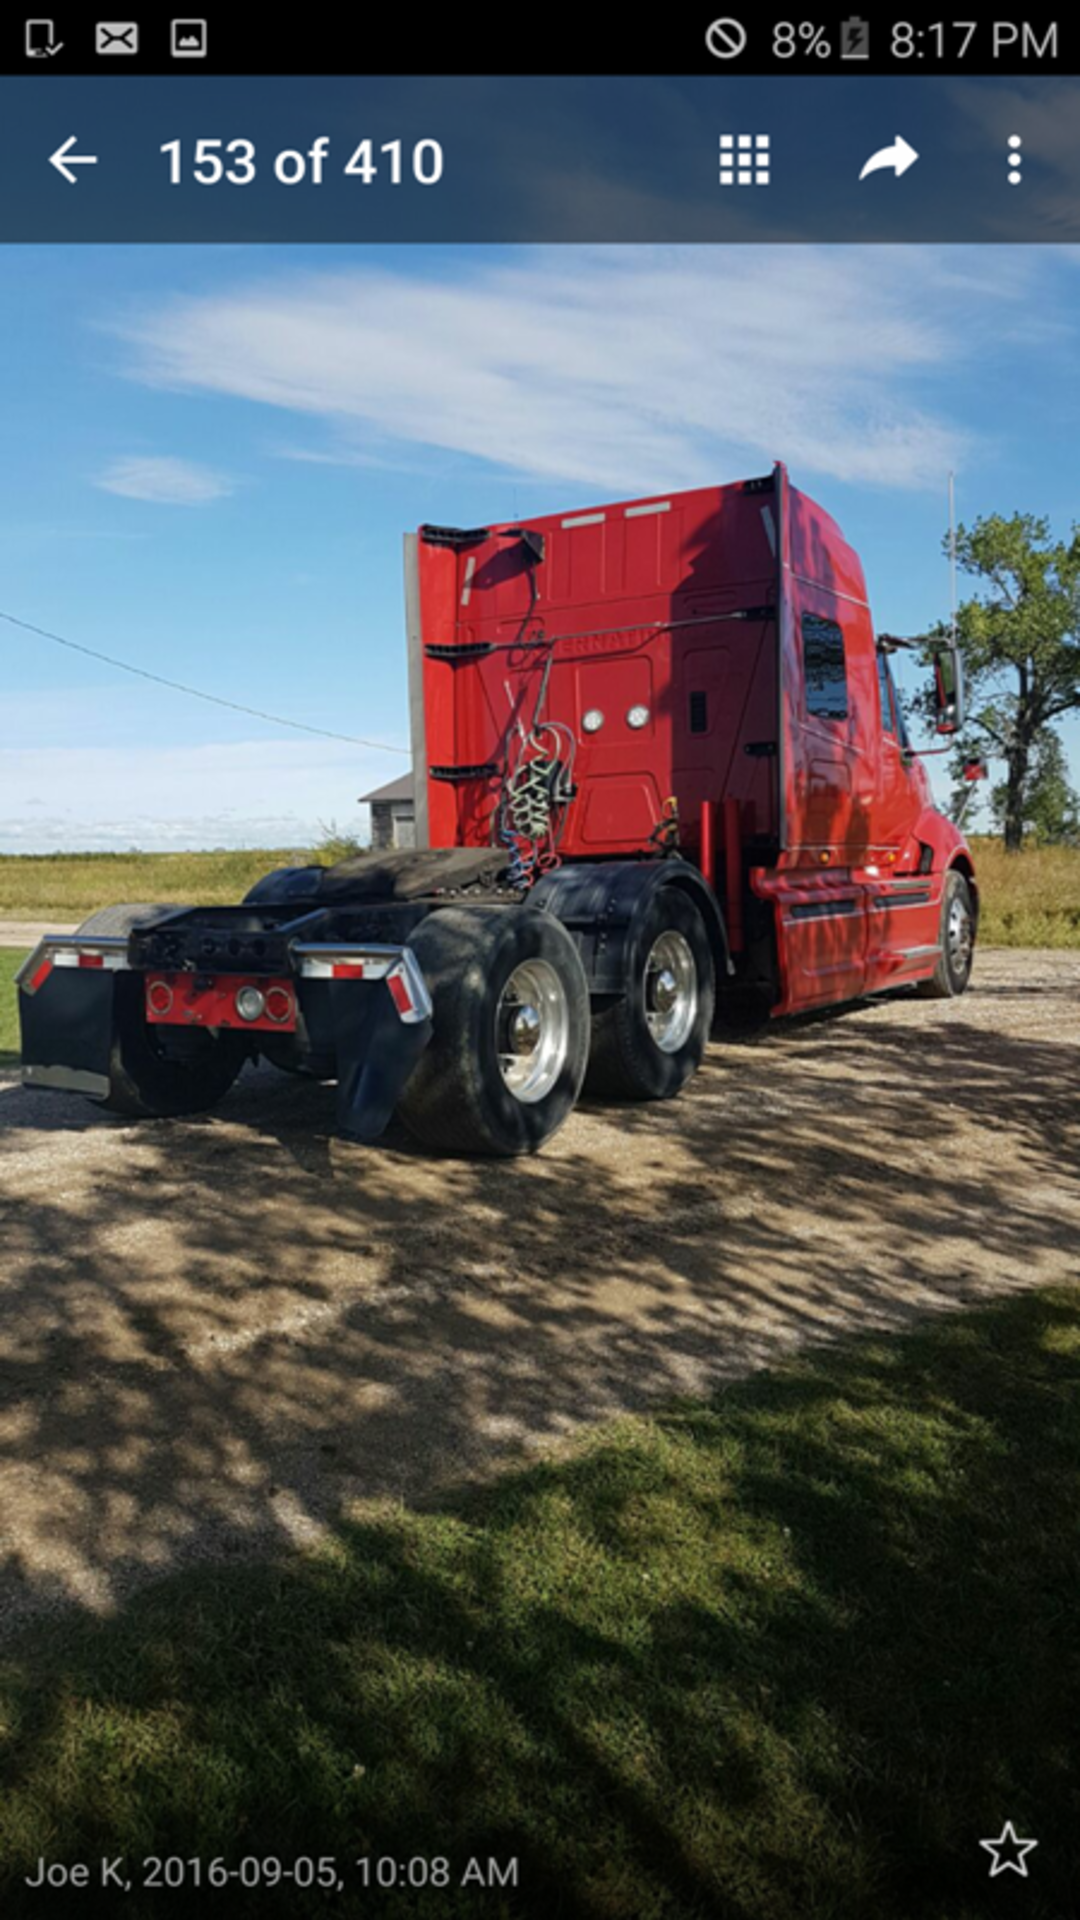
(638, 717)
(593, 720)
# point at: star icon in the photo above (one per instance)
(1009, 1852)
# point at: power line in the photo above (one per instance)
(196, 693)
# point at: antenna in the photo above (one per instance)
(952, 559)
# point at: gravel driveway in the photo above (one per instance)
(27, 933)
(216, 1334)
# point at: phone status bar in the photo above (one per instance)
(743, 42)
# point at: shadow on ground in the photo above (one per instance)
(217, 1336)
(793, 1654)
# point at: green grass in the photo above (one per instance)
(11, 960)
(788, 1656)
(67, 886)
(1031, 900)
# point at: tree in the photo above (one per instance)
(1051, 804)
(1021, 646)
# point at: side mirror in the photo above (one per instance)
(948, 690)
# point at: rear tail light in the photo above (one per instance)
(159, 998)
(183, 999)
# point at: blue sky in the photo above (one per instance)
(210, 454)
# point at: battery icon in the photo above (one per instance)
(854, 40)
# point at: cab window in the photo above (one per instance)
(824, 668)
(884, 680)
(892, 713)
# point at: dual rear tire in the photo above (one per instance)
(648, 1043)
(513, 1033)
(514, 1041)
(510, 1040)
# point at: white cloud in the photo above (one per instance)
(164, 480)
(620, 369)
(247, 793)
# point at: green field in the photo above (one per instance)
(790, 1654)
(1031, 900)
(67, 886)
(10, 962)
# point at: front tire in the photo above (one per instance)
(510, 1038)
(155, 1074)
(649, 1043)
(957, 935)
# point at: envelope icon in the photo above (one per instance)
(116, 36)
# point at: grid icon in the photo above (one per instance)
(744, 159)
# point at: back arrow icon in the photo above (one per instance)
(900, 156)
(63, 160)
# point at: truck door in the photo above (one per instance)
(904, 907)
(830, 796)
(896, 806)
(837, 746)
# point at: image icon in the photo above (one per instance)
(188, 40)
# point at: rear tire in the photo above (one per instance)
(284, 885)
(957, 935)
(649, 1043)
(510, 1038)
(120, 920)
(152, 1074)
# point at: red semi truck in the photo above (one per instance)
(660, 763)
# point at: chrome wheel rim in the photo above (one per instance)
(671, 991)
(532, 1030)
(959, 935)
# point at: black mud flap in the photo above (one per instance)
(376, 1052)
(67, 1030)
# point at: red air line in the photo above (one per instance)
(733, 874)
(708, 850)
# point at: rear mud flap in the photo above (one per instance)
(67, 1031)
(376, 1052)
(67, 1023)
